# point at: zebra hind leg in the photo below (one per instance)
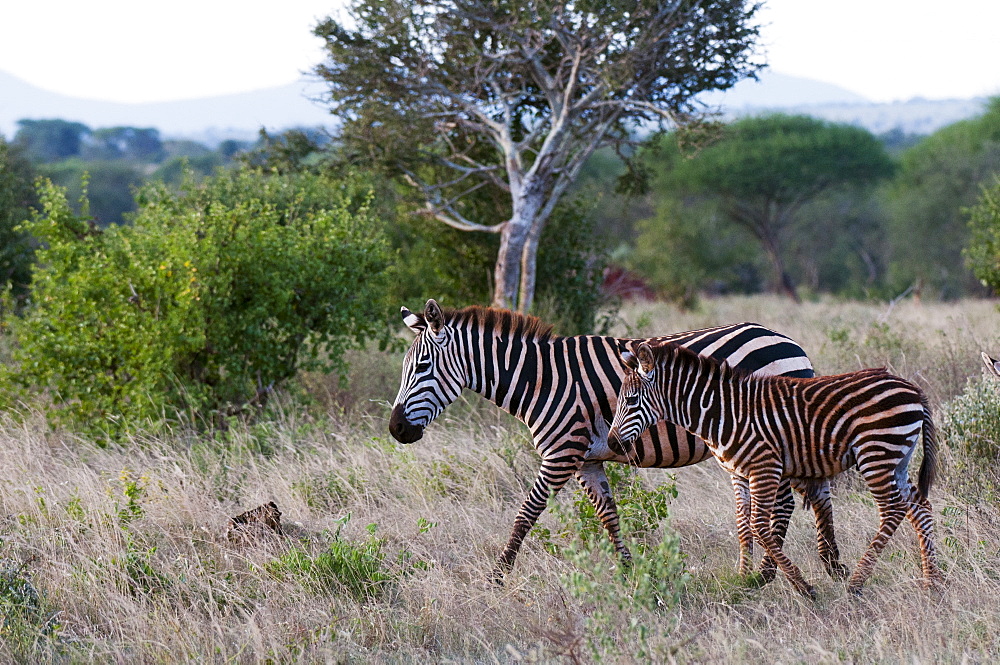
(594, 481)
(921, 517)
(891, 510)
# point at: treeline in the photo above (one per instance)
(801, 206)
(116, 160)
(779, 203)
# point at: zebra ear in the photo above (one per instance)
(628, 359)
(644, 354)
(992, 365)
(414, 322)
(434, 316)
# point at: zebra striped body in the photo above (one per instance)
(564, 389)
(769, 428)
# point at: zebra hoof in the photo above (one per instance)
(497, 578)
(768, 570)
(808, 591)
(854, 590)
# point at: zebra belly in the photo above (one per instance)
(824, 467)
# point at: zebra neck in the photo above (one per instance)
(693, 397)
(508, 372)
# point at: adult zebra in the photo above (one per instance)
(564, 389)
(765, 428)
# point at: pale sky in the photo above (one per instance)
(885, 50)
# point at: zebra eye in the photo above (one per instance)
(632, 400)
(423, 365)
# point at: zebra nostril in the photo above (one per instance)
(402, 429)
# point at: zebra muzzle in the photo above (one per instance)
(615, 442)
(402, 429)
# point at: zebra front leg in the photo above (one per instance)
(744, 529)
(552, 475)
(781, 515)
(763, 492)
(594, 481)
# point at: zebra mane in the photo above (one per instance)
(671, 350)
(503, 321)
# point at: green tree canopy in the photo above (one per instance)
(939, 177)
(134, 144)
(208, 301)
(762, 170)
(109, 187)
(17, 195)
(50, 140)
(983, 250)
(459, 96)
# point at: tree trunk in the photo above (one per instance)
(783, 281)
(514, 275)
(507, 273)
(529, 262)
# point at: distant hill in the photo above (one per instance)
(776, 92)
(209, 120)
(240, 116)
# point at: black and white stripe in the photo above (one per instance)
(565, 390)
(769, 428)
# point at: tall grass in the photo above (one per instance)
(122, 554)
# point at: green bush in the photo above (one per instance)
(212, 298)
(570, 272)
(355, 567)
(628, 610)
(970, 428)
(983, 251)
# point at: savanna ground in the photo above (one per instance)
(121, 554)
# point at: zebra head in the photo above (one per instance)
(637, 409)
(432, 378)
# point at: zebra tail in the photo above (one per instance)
(928, 466)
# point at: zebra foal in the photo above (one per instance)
(564, 389)
(769, 428)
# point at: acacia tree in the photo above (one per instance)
(762, 171)
(509, 98)
(939, 178)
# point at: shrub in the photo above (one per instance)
(970, 427)
(28, 630)
(212, 298)
(355, 567)
(626, 610)
(571, 263)
(983, 251)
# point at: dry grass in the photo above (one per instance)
(935, 344)
(127, 548)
